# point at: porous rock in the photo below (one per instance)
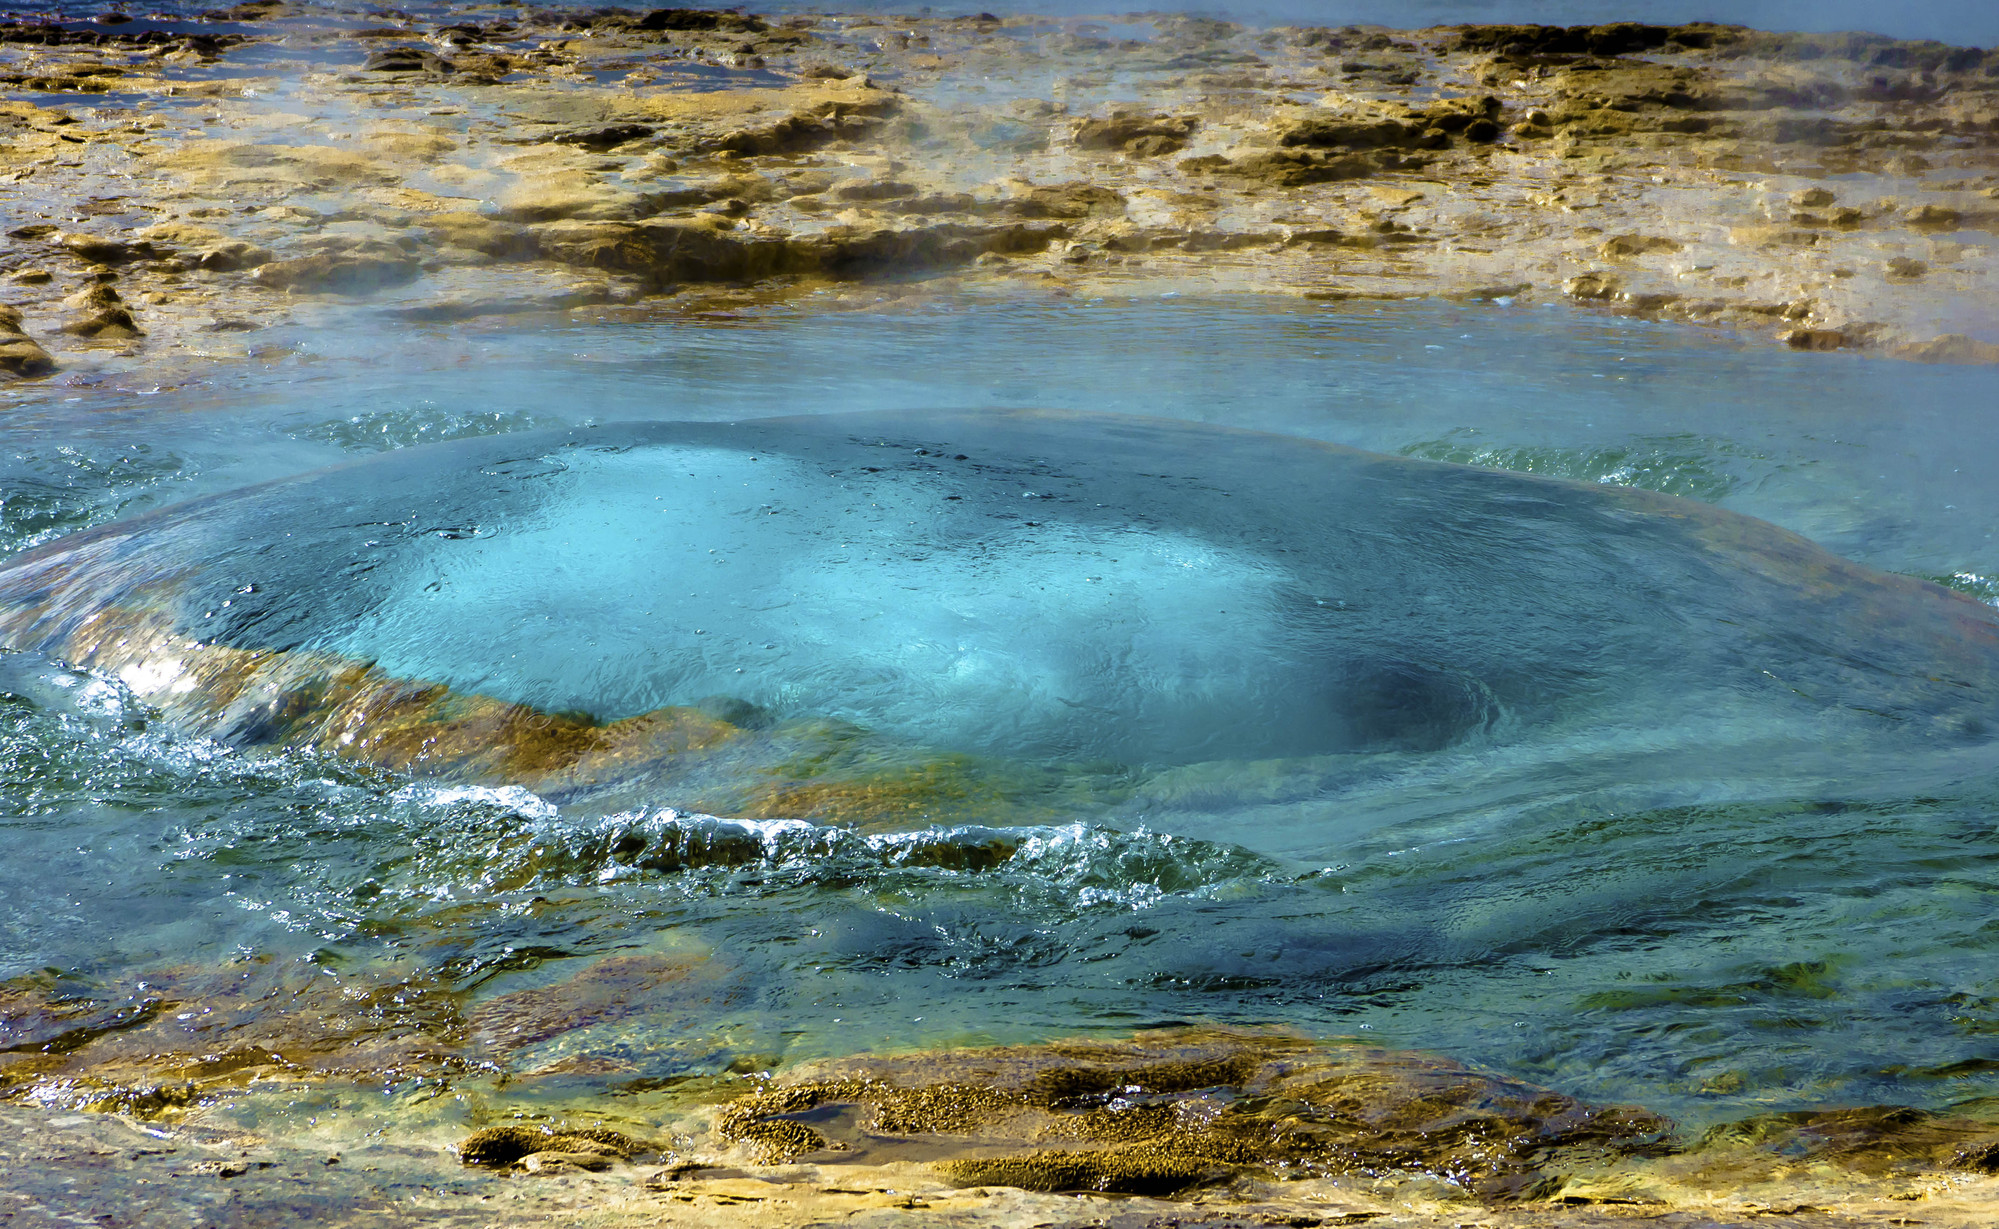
(20, 355)
(1135, 133)
(1180, 1108)
(338, 272)
(502, 1146)
(407, 60)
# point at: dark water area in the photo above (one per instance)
(1637, 798)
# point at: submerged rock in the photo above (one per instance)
(1877, 1139)
(1172, 1110)
(20, 354)
(179, 1037)
(583, 1147)
(348, 272)
(899, 618)
(1140, 135)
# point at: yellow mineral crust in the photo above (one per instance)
(1174, 1110)
(1821, 192)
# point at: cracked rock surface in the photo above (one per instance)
(173, 189)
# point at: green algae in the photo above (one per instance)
(1868, 1139)
(1173, 1110)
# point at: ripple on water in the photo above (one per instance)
(1621, 913)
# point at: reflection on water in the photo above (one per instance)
(1641, 873)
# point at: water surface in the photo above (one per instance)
(1684, 897)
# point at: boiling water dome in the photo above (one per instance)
(902, 618)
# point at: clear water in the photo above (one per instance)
(1602, 855)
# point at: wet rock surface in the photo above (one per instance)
(1179, 1127)
(182, 193)
(1784, 185)
(1175, 1112)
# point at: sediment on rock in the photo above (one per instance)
(506, 1146)
(20, 354)
(1171, 1111)
(1798, 187)
(163, 1045)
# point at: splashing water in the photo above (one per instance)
(1548, 825)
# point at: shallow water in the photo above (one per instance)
(1636, 880)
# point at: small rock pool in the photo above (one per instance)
(1118, 722)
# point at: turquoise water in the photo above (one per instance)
(1529, 774)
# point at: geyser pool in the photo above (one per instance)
(1583, 837)
(1052, 588)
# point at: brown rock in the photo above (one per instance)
(1812, 198)
(1771, 236)
(106, 251)
(182, 235)
(111, 323)
(232, 255)
(106, 315)
(1067, 201)
(1813, 339)
(610, 989)
(1645, 96)
(1949, 348)
(1637, 245)
(876, 190)
(576, 195)
(342, 273)
(19, 353)
(1136, 134)
(500, 1147)
(1933, 217)
(834, 119)
(98, 296)
(479, 233)
(603, 136)
(407, 60)
(1176, 1109)
(698, 20)
(550, 1162)
(1290, 168)
(1614, 39)
(1874, 1139)
(1591, 287)
(1474, 118)
(1362, 133)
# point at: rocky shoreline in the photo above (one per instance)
(1223, 1128)
(185, 193)
(177, 189)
